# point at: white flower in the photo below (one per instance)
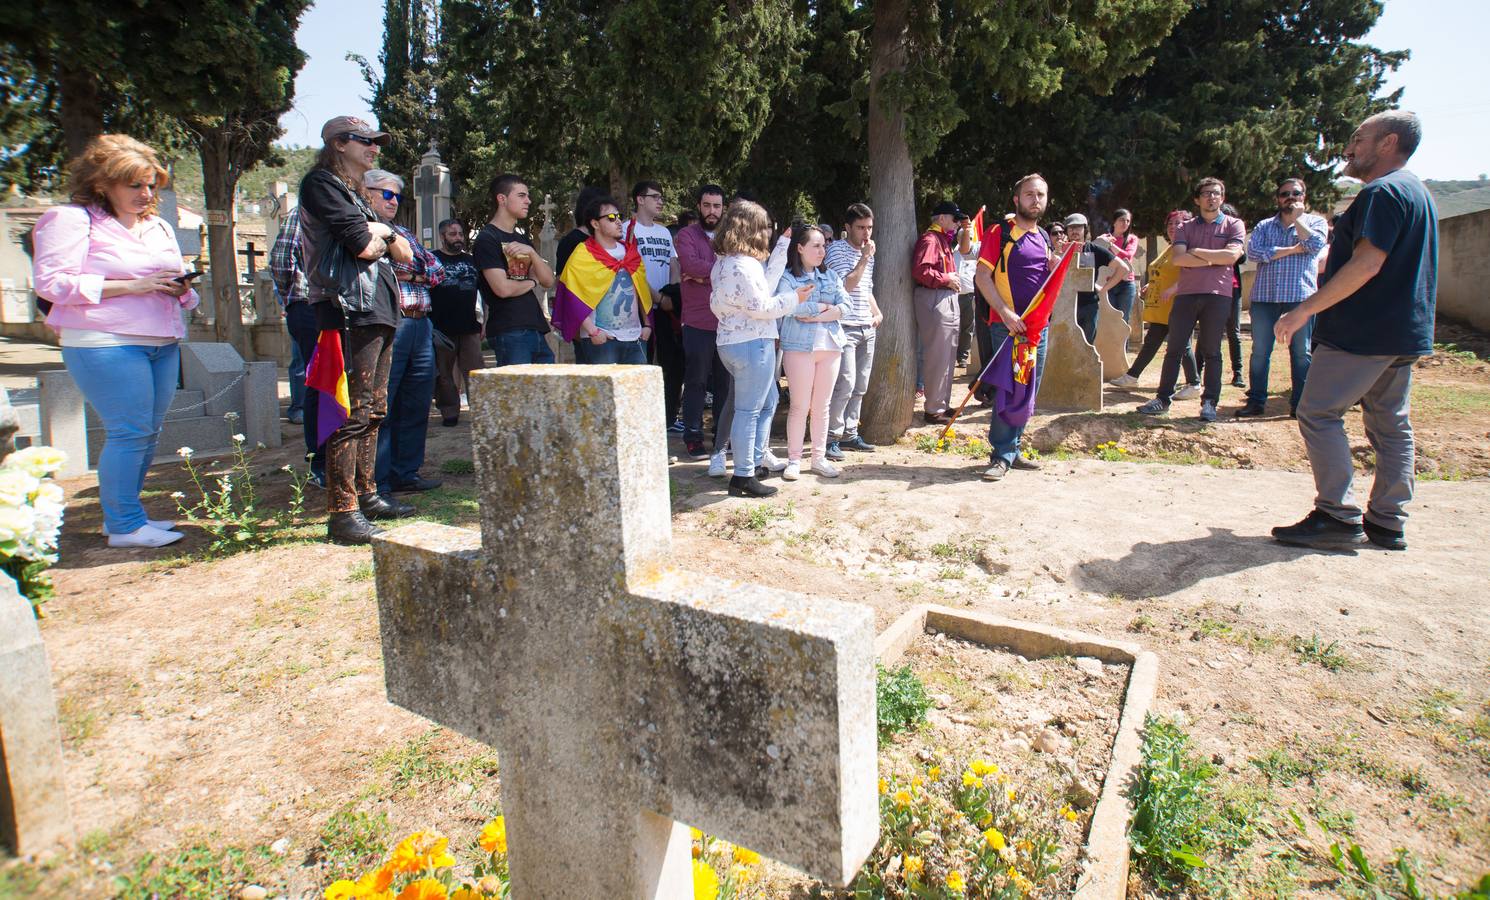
(261, 446)
(287, 468)
(177, 495)
(238, 438)
(185, 452)
(230, 416)
(48, 492)
(16, 524)
(38, 461)
(16, 486)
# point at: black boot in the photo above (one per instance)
(375, 506)
(351, 528)
(749, 487)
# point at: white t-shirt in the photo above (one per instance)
(967, 267)
(655, 243)
(619, 312)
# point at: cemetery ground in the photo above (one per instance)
(224, 716)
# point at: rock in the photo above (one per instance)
(938, 719)
(1015, 745)
(962, 719)
(253, 892)
(1215, 663)
(1080, 793)
(1049, 741)
(925, 755)
(280, 847)
(1070, 728)
(1089, 666)
(942, 701)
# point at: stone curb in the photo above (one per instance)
(1104, 873)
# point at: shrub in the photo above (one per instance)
(900, 698)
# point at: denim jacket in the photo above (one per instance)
(798, 335)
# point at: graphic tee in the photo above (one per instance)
(655, 244)
(619, 313)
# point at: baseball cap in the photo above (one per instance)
(946, 208)
(1075, 219)
(352, 125)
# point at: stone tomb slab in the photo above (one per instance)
(1104, 874)
(1073, 373)
(624, 696)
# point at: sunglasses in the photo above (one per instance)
(365, 141)
(610, 217)
(1290, 193)
(392, 195)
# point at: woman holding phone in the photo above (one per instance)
(112, 270)
(747, 309)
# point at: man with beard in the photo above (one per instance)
(703, 371)
(1374, 318)
(455, 310)
(1015, 261)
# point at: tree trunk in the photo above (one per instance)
(892, 382)
(81, 106)
(219, 179)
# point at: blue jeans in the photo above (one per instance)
(297, 379)
(411, 388)
(520, 347)
(629, 353)
(752, 368)
(1121, 297)
(300, 319)
(1004, 437)
(1264, 317)
(130, 388)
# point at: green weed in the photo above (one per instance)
(351, 842)
(361, 571)
(1316, 651)
(200, 872)
(458, 467)
(900, 699)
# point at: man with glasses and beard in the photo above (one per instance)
(455, 310)
(703, 371)
(1286, 248)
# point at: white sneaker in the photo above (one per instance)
(716, 465)
(772, 464)
(824, 468)
(793, 471)
(1124, 380)
(145, 536)
(162, 524)
(1188, 392)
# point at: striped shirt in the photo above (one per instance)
(1286, 279)
(842, 257)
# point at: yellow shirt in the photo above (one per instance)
(1163, 275)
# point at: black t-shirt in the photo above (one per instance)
(337, 218)
(520, 313)
(567, 243)
(452, 302)
(1392, 314)
(1100, 257)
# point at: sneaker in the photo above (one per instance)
(1237, 380)
(931, 418)
(1124, 380)
(771, 462)
(716, 465)
(1024, 462)
(793, 470)
(834, 451)
(161, 524)
(1251, 410)
(1321, 531)
(997, 471)
(676, 427)
(749, 487)
(295, 417)
(1154, 407)
(1383, 537)
(418, 485)
(145, 536)
(1188, 392)
(824, 468)
(696, 450)
(1207, 410)
(856, 443)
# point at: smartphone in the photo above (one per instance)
(187, 276)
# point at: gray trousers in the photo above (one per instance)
(1337, 380)
(937, 318)
(853, 382)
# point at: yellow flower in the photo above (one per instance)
(490, 885)
(983, 767)
(969, 779)
(985, 820)
(1068, 813)
(419, 851)
(705, 881)
(955, 882)
(995, 839)
(914, 865)
(466, 893)
(741, 875)
(1010, 794)
(917, 781)
(884, 785)
(902, 799)
(699, 835)
(934, 772)
(747, 857)
(423, 889)
(342, 890)
(493, 837)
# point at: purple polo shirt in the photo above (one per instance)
(1198, 234)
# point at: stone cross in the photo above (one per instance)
(625, 697)
(252, 254)
(1073, 372)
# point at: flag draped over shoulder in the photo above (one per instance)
(1012, 374)
(327, 373)
(586, 278)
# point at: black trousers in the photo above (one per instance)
(1207, 313)
(703, 371)
(1153, 339)
(667, 352)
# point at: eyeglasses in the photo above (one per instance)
(1212, 193)
(610, 217)
(1290, 193)
(651, 196)
(392, 195)
(361, 139)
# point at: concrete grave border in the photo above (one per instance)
(1104, 872)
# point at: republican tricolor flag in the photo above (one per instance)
(1012, 373)
(327, 373)
(586, 278)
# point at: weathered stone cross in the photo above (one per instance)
(624, 696)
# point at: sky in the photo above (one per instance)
(1445, 37)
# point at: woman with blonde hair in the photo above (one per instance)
(746, 341)
(113, 272)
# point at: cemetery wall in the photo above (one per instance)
(1464, 269)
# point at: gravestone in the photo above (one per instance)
(625, 697)
(1073, 373)
(33, 785)
(433, 189)
(1112, 340)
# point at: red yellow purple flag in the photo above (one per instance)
(978, 224)
(327, 373)
(586, 278)
(1012, 373)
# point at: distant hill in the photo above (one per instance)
(255, 183)
(1454, 198)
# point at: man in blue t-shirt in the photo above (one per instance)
(1374, 318)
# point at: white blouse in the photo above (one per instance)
(741, 297)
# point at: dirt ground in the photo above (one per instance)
(238, 702)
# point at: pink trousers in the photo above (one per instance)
(810, 375)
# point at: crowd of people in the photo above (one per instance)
(726, 301)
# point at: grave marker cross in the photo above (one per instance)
(251, 254)
(624, 696)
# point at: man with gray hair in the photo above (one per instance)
(411, 376)
(1373, 320)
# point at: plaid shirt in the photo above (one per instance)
(286, 264)
(414, 298)
(1287, 279)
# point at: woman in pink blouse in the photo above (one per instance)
(1124, 244)
(112, 270)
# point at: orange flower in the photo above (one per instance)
(423, 889)
(494, 835)
(419, 851)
